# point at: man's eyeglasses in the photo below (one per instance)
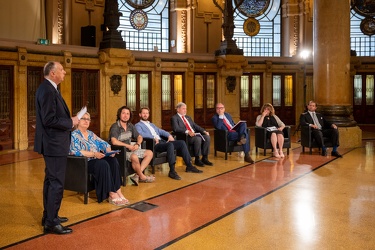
(86, 119)
(219, 107)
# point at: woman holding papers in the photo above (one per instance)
(274, 126)
(101, 163)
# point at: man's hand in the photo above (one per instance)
(191, 134)
(170, 138)
(75, 120)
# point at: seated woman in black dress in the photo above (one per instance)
(268, 119)
(106, 170)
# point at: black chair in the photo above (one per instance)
(261, 140)
(184, 137)
(125, 166)
(222, 144)
(307, 140)
(77, 177)
(158, 158)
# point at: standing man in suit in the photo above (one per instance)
(224, 121)
(321, 127)
(181, 123)
(149, 130)
(52, 140)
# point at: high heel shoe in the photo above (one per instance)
(276, 154)
(281, 154)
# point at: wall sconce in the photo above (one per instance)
(173, 43)
(116, 83)
(231, 83)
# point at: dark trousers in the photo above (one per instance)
(53, 188)
(170, 147)
(106, 172)
(200, 147)
(236, 136)
(332, 134)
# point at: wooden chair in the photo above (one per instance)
(77, 177)
(307, 140)
(222, 144)
(261, 140)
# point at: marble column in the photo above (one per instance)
(332, 85)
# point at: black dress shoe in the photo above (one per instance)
(174, 175)
(57, 229)
(248, 159)
(336, 154)
(207, 162)
(61, 219)
(193, 169)
(199, 163)
(324, 152)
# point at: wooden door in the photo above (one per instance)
(251, 100)
(6, 108)
(171, 94)
(363, 99)
(283, 97)
(85, 92)
(34, 79)
(138, 94)
(204, 99)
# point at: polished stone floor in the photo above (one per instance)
(300, 202)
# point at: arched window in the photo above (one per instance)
(362, 29)
(144, 24)
(267, 42)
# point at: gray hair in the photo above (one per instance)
(180, 104)
(48, 68)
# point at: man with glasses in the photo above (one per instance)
(224, 121)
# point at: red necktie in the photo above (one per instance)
(227, 125)
(186, 123)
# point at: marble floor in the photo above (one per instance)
(300, 202)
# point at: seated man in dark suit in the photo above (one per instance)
(149, 130)
(181, 123)
(224, 121)
(321, 127)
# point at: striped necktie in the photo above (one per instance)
(316, 121)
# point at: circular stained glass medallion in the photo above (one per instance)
(251, 27)
(364, 7)
(138, 19)
(368, 26)
(253, 8)
(140, 4)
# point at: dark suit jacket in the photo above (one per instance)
(305, 119)
(178, 124)
(219, 124)
(53, 122)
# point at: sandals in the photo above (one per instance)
(117, 201)
(148, 179)
(135, 179)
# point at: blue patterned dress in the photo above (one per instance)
(106, 171)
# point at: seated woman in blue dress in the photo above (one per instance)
(106, 170)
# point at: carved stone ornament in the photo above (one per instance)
(231, 83)
(116, 84)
